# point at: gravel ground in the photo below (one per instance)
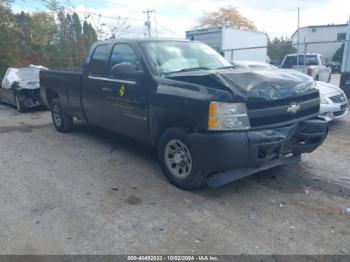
(95, 192)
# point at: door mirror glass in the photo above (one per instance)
(126, 71)
(124, 63)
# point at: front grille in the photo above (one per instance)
(339, 113)
(338, 99)
(275, 112)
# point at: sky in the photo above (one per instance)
(173, 17)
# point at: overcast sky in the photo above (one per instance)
(174, 17)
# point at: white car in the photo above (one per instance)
(334, 103)
(316, 65)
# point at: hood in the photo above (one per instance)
(29, 84)
(248, 84)
(326, 88)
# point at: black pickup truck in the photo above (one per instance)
(210, 122)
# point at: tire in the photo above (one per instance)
(329, 78)
(317, 78)
(19, 104)
(178, 163)
(62, 122)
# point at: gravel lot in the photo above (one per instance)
(95, 192)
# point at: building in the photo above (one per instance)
(233, 44)
(321, 33)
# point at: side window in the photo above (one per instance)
(99, 61)
(124, 53)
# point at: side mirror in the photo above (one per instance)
(126, 71)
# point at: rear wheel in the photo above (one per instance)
(177, 160)
(317, 78)
(61, 121)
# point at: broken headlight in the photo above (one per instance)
(228, 116)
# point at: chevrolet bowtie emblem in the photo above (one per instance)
(293, 108)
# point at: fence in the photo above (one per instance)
(331, 50)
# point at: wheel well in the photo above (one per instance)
(50, 95)
(169, 121)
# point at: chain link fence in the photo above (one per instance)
(331, 52)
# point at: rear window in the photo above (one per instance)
(99, 61)
(292, 60)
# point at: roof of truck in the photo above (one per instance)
(143, 40)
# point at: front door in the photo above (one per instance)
(7, 95)
(127, 99)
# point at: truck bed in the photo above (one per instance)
(67, 84)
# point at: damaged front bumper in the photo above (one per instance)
(233, 155)
(29, 98)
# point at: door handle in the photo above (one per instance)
(107, 89)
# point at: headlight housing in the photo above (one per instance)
(228, 116)
(323, 100)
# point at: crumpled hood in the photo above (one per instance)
(251, 84)
(29, 84)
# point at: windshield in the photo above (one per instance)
(292, 60)
(24, 74)
(176, 56)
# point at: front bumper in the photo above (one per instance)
(334, 110)
(232, 155)
(29, 98)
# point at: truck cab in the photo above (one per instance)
(315, 65)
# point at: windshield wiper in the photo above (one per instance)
(227, 67)
(189, 69)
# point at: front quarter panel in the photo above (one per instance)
(187, 100)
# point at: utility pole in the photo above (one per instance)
(298, 41)
(148, 22)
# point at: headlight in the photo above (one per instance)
(323, 100)
(228, 116)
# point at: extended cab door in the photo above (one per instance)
(127, 97)
(94, 86)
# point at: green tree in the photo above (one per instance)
(278, 48)
(227, 16)
(9, 35)
(338, 56)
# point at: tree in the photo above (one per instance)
(338, 56)
(54, 39)
(9, 39)
(278, 48)
(227, 17)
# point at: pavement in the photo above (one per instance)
(95, 192)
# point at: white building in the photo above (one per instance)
(239, 41)
(321, 33)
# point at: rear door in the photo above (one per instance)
(324, 69)
(95, 86)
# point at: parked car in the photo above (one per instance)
(334, 103)
(209, 121)
(21, 88)
(336, 68)
(316, 65)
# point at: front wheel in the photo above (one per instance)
(62, 121)
(177, 160)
